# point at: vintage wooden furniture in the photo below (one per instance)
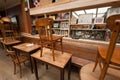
(8, 33)
(44, 27)
(17, 60)
(61, 61)
(27, 48)
(111, 54)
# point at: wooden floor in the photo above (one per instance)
(6, 71)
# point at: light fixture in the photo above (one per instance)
(5, 19)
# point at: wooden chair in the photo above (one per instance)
(7, 32)
(109, 57)
(17, 60)
(44, 27)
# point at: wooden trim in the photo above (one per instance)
(71, 6)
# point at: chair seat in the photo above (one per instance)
(116, 55)
(22, 58)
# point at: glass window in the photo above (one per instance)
(100, 15)
(75, 15)
(103, 9)
(91, 11)
(80, 12)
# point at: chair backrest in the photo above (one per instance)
(13, 55)
(7, 31)
(44, 27)
(113, 23)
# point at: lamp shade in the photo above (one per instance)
(6, 19)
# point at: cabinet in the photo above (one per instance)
(88, 31)
(61, 24)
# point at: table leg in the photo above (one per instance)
(46, 66)
(61, 46)
(62, 74)
(69, 69)
(35, 68)
(31, 64)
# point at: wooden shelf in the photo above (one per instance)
(89, 29)
(61, 20)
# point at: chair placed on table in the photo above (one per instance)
(7, 32)
(110, 55)
(17, 60)
(44, 27)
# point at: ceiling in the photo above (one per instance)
(8, 3)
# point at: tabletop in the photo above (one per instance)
(60, 59)
(26, 47)
(10, 42)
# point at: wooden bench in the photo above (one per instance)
(79, 62)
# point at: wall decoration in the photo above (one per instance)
(85, 19)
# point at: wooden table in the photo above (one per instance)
(27, 48)
(61, 61)
(10, 43)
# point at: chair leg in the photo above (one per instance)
(61, 46)
(104, 70)
(14, 68)
(41, 52)
(100, 65)
(53, 52)
(97, 61)
(95, 65)
(46, 66)
(20, 71)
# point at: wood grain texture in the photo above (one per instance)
(72, 5)
(60, 61)
(26, 47)
(79, 49)
(116, 55)
(10, 42)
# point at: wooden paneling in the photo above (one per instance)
(26, 18)
(72, 5)
(45, 2)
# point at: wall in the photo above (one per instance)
(16, 11)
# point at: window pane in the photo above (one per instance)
(74, 15)
(100, 15)
(91, 11)
(103, 10)
(80, 12)
(94, 16)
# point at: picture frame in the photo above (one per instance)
(85, 19)
(99, 20)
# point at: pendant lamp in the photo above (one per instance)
(6, 19)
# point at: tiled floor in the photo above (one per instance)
(6, 71)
